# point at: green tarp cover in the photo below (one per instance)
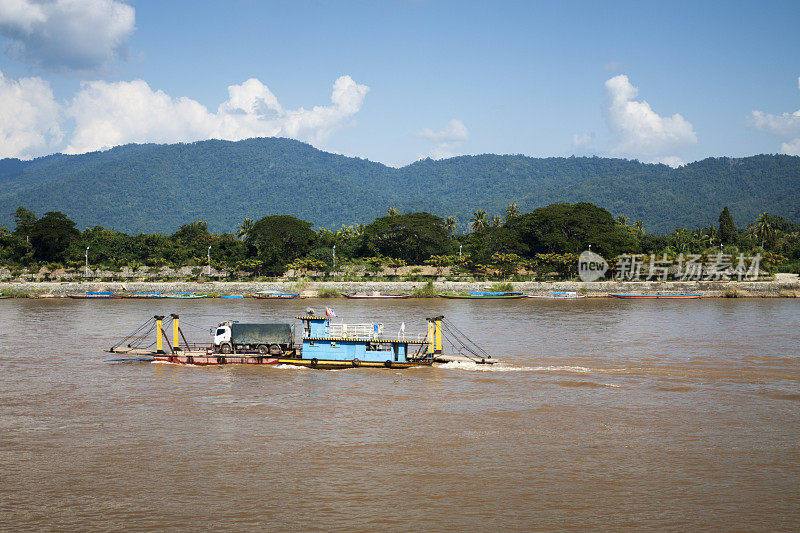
(261, 333)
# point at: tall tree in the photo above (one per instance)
(24, 218)
(412, 237)
(727, 229)
(244, 229)
(512, 211)
(51, 235)
(451, 223)
(763, 228)
(479, 220)
(280, 239)
(562, 228)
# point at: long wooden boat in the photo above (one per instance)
(144, 295)
(569, 295)
(375, 296)
(690, 296)
(92, 295)
(475, 295)
(186, 295)
(272, 295)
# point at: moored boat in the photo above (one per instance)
(482, 295)
(688, 296)
(144, 295)
(375, 296)
(277, 295)
(567, 295)
(185, 295)
(94, 294)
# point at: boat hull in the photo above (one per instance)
(658, 296)
(375, 297)
(473, 297)
(204, 359)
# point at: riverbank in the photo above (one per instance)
(787, 286)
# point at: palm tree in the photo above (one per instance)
(497, 220)
(763, 229)
(392, 212)
(244, 229)
(512, 211)
(451, 224)
(479, 220)
(622, 220)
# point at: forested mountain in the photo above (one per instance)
(156, 188)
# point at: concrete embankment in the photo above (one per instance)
(785, 285)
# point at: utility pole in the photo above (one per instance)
(209, 261)
(86, 269)
(459, 251)
(334, 258)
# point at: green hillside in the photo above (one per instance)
(150, 188)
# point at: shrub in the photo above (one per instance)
(426, 291)
(502, 287)
(328, 293)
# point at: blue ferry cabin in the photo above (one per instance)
(324, 341)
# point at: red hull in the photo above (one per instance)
(217, 359)
(379, 297)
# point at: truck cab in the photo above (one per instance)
(223, 334)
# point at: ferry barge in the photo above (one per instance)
(324, 345)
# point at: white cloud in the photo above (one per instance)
(74, 34)
(581, 142)
(791, 148)
(786, 125)
(643, 133)
(110, 114)
(446, 141)
(29, 118)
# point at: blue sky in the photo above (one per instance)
(671, 82)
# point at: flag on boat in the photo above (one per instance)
(329, 312)
(403, 327)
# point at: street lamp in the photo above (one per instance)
(86, 269)
(209, 261)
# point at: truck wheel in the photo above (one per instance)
(225, 348)
(356, 362)
(387, 363)
(314, 362)
(275, 349)
(263, 349)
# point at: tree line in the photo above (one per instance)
(547, 239)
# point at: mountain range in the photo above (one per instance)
(156, 188)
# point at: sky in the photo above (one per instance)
(396, 81)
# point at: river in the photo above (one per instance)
(623, 415)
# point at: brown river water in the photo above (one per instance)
(605, 414)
